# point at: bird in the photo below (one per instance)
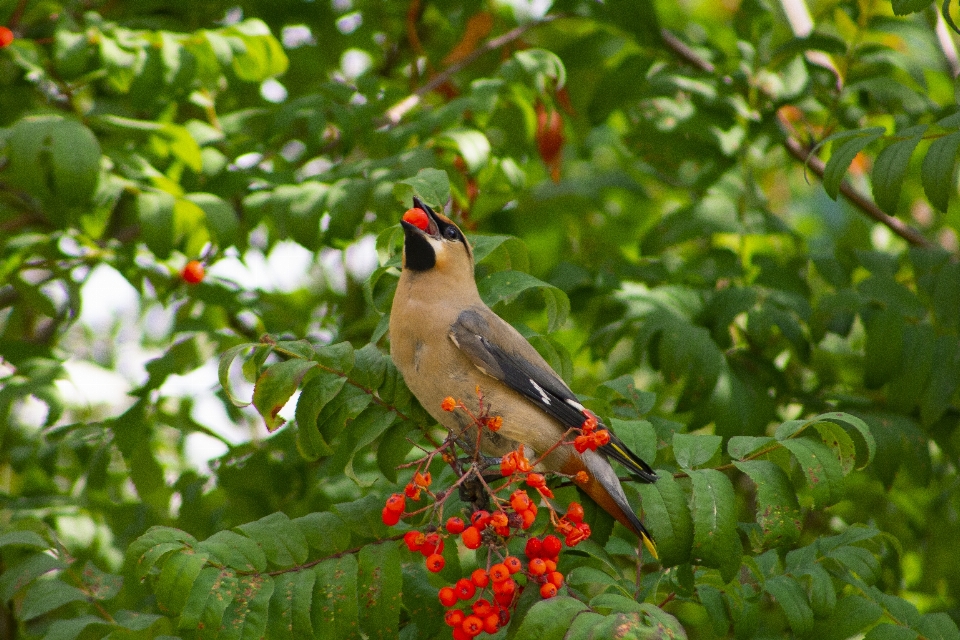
(446, 342)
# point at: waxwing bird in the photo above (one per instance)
(446, 342)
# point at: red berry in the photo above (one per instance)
(418, 218)
(551, 546)
(480, 578)
(465, 589)
(508, 464)
(448, 597)
(480, 519)
(506, 587)
(454, 617)
(432, 544)
(397, 503)
(499, 573)
(499, 519)
(551, 565)
(537, 566)
(513, 564)
(504, 599)
(534, 548)
(555, 578)
(6, 37)
(482, 607)
(536, 480)
(435, 563)
(390, 518)
(412, 491)
(460, 634)
(491, 622)
(575, 512)
(471, 538)
(520, 501)
(414, 540)
(193, 272)
(548, 590)
(529, 516)
(472, 626)
(455, 525)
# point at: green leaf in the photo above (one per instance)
(155, 212)
(338, 356)
(842, 155)
(16, 576)
(221, 219)
(283, 543)
(245, 618)
(314, 396)
(365, 428)
(211, 594)
(859, 561)
(639, 436)
(788, 593)
(694, 450)
(938, 626)
(335, 611)
(363, 516)
(275, 386)
(324, 532)
(715, 540)
(906, 7)
(23, 539)
(393, 449)
(778, 512)
(432, 185)
(626, 387)
(223, 371)
(944, 380)
(378, 589)
(852, 616)
(261, 56)
(143, 550)
(177, 576)
(891, 632)
(820, 467)
(835, 437)
(739, 447)
(473, 146)
(290, 605)
(668, 518)
(883, 348)
(45, 595)
(861, 427)
(550, 619)
(904, 391)
(937, 173)
(946, 292)
(234, 551)
(75, 155)
(712, 600)
(891, 166)
(504, 286)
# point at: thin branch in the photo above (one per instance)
(862, 202)
(395, 113)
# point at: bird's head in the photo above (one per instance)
(434, 243)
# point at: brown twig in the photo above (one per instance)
(395, 113)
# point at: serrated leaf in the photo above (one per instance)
(667, 516)
(823, 595)
(16, 576)
(861, 427)
(791, 597)
(473, 146)
(938, 626)
(283, 543)
(275, 386)
(432, 185)
(378, 590)
(211, 594)
(223, 371)
(820, 467)
(45, 595)
(891, 632)
(739, 447)
(23, 539)
(245, 618)
(638, 435)
(338, 357)
(393, 449)
(504, 286)
(891, 166)
(712, 600)
(946, 292)
(917, 363)
(324, 532)
(314, 396)
(835, 437)
(852, 615)
(693, 450)
(859, 561)
(715, 539)
(369, 367)
(937, 173)
(883, 348)
(71, 628)
(335, 606)
(906, 7)
(944, 380)
(234, 551)
(155, 213)
(841, 156)
(363, 516)
(290, 605)
(625, 387)
(146, 550)
(550, 619)
(778, 512)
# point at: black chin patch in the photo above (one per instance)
(418, 252)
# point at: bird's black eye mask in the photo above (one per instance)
(420, 254)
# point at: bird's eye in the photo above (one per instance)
(451, 233)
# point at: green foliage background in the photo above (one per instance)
(797, 350)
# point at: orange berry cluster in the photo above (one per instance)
(486, 616)
(397, 503)
(590, 438)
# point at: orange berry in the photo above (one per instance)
(506, 587)
(432, 544)
(460, 634)
(6, 37)
(534, 548)
(472, 626)
(536, 480)
(465, 589)
(480, 578)
(455, 525)
(414, 540)
(575, 512)
(590, 423)
(422, 479)
(555, 578)
(448, 597)
(193, 272)
(523, 465)
(412, 491)
(480, 519)
(529, 516)
(581, 477)
(454, 617)
(417, 217)
(448, 404)
(520, 501)
(482, 607)
(581, 443)
(471, 538)
(435, 563)
(513, 564)
(548, 590)
(602, 437)
(390, 517)
(397, 503)
(499, 573)
(551, 564)
(537, 566)
(494, 423)
(508, 464)
(499, 519)
(491, 623)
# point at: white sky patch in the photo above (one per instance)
(107, 297)
(297, 35)
(349, 23)
(354, 63)
(272, 91)
(90, 386)
(361, 259)
(528, 9)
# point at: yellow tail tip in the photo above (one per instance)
(652, 548)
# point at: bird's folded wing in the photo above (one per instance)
(543, 388)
